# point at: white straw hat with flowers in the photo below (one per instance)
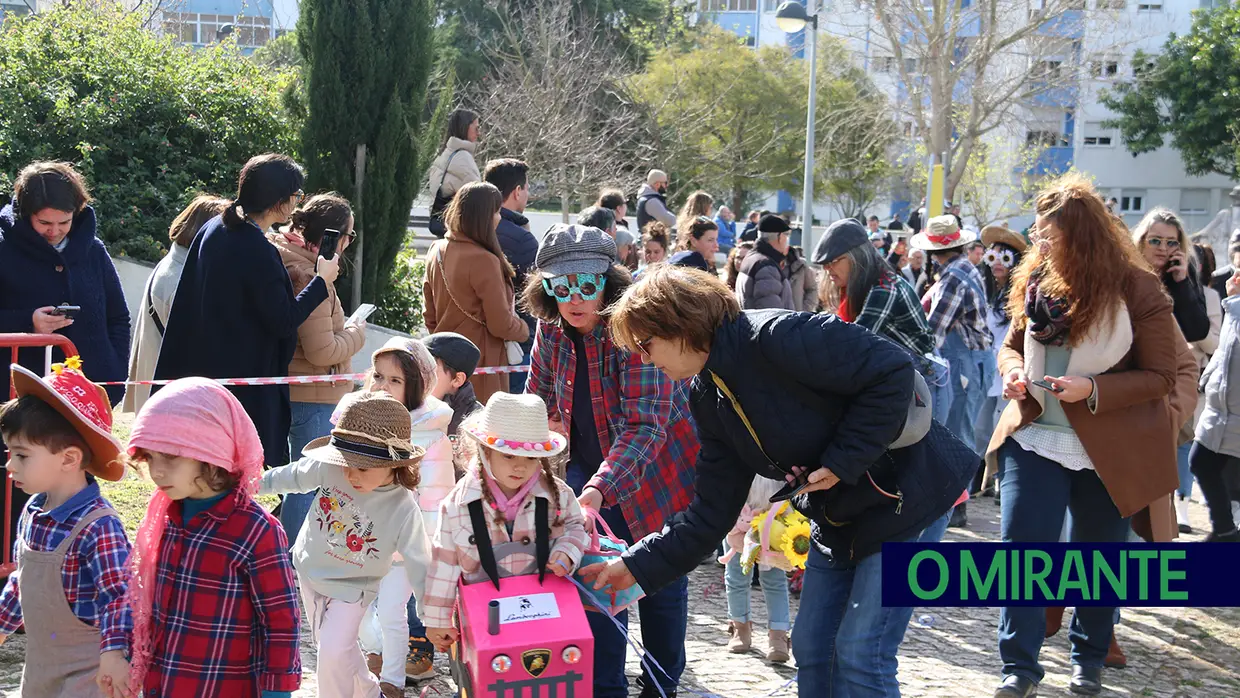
(516, 425)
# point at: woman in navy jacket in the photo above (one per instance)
(49, 256)
(234, 314)
(774, 393)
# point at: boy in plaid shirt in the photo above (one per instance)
(71, 548)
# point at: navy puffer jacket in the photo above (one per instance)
(865, 383)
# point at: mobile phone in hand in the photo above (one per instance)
(327, 247)
(1048, 387)
(66, 310)
(791, 489)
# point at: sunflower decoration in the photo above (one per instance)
(796, 542)
(768, 549)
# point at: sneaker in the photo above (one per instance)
(420, 661)
(1181, 515)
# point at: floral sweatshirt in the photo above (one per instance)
(348, 541)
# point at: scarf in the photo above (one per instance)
(508, 507)
(192, 418)
(1048, 317)
(843, 312)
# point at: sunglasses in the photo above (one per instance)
(643, 346)
(588, 286)
(1169, 243)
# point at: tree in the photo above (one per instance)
(1189, 92)
(148, 122)
(281, 53)
(971, 68)
(730, 119)
(555, 97)
(366, 68)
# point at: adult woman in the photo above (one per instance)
(697, 245)
(455, 166)
(50, 256)
(468, 287)
(1003, 252)
(325, 344)
(698, 204)
(655, 243)
(755, 376)
(732, 270)
(1161, 240)
(157, 297)
(631, 442)
(804, 282)
(235, 314)
(1098, 327)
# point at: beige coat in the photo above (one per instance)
(1136, 363)
(466, 291)
(460, 171)
(324, 345)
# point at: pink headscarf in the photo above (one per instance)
(191, 418)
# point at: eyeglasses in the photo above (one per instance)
(588, 286)
(351, 236)
(301, 197)
(1169, 243)
(644, 346)
(703, 219)
(1000, 255)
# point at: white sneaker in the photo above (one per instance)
(1181, 514)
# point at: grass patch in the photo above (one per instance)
(1192, 682)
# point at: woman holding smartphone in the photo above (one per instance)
(325, 342)
(1089, 363)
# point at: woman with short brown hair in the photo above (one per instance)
(469, 283)
(1089, 319)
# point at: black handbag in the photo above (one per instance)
(436, 224)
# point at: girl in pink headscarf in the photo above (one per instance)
(214, 602)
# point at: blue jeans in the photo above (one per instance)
(516, 381)
(845, 642)
(310, 420)
(664, 614)
(1186, 475)
(966, 402)
(774, 590)
(416, 627)
(934, 532)
(1036, 495)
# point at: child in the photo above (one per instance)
(774, 583)
(405, 369)
(456, 358)
(366, 511)
(213, 596)
(513, 469)
(71, 548)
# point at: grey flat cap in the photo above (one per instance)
(575, 249)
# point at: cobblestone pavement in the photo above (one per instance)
(1173, 652)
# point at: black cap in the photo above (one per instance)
(771, 223)
(839, 238)
(455, 351)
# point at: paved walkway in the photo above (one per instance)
(1173, 653)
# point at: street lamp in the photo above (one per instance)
(793, 17)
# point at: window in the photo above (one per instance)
(728, 5)
(191, 28)
(910, 66)
(1098, 137)
(1104, 68)
(1112, 4)
(1045, 138)
(886, 64)
(1212, 4)
(1047, 70)
(1150, 6)
(1139, 70)
(1132, 201)
(1194, 202)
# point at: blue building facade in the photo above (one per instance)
(205, 22)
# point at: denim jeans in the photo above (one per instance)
(845, 642)
(1186, 474)
(664, 616)
(966, 401)
(516, 381)
(934, 532)
(1037, 493)
(774, 590)
(310, 420)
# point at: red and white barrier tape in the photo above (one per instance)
(303, 380)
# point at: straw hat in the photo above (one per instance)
(942, 233)
(516, 425)
(84, 404)
(1000, 234)
(372, 432)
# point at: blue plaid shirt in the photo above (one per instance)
(94, 574)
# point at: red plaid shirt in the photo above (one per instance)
(226, 621)
(648, 437)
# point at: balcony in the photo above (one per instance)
(1069, 24)
(1052, 161)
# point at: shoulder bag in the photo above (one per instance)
(436, 225)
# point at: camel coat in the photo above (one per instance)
(467, 292)
(1130, 436)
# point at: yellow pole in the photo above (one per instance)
(934, 206)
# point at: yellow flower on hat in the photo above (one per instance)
(73, 362)
(796, 543)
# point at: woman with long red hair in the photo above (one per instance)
(1093, 324)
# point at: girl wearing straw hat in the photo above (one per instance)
(366, 477)
(513, 489)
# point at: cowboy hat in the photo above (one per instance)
(516, 425)
(84, 404)
(1002, 235)
(942, 233)
(373, 432)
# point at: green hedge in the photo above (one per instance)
(150, 123)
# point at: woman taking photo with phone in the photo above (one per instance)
(1089, 361)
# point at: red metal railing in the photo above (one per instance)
(15, 342)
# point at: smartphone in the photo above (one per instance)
(1048, 387)
(363, 312)
(327, 248)
(67, 310)
(791, 489)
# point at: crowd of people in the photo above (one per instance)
(681, 375)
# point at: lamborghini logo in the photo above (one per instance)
(536, 661)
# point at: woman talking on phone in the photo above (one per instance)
(1160, 238)
(1088, 364)
(806, 398)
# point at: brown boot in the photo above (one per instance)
(742, 637)
(778, 651)
(1054, 620)
(387, 690)
(374, 662)
(1115, 656)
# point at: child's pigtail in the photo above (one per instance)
(554, 485)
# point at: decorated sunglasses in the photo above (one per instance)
(1001, 255)
(588, 286)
